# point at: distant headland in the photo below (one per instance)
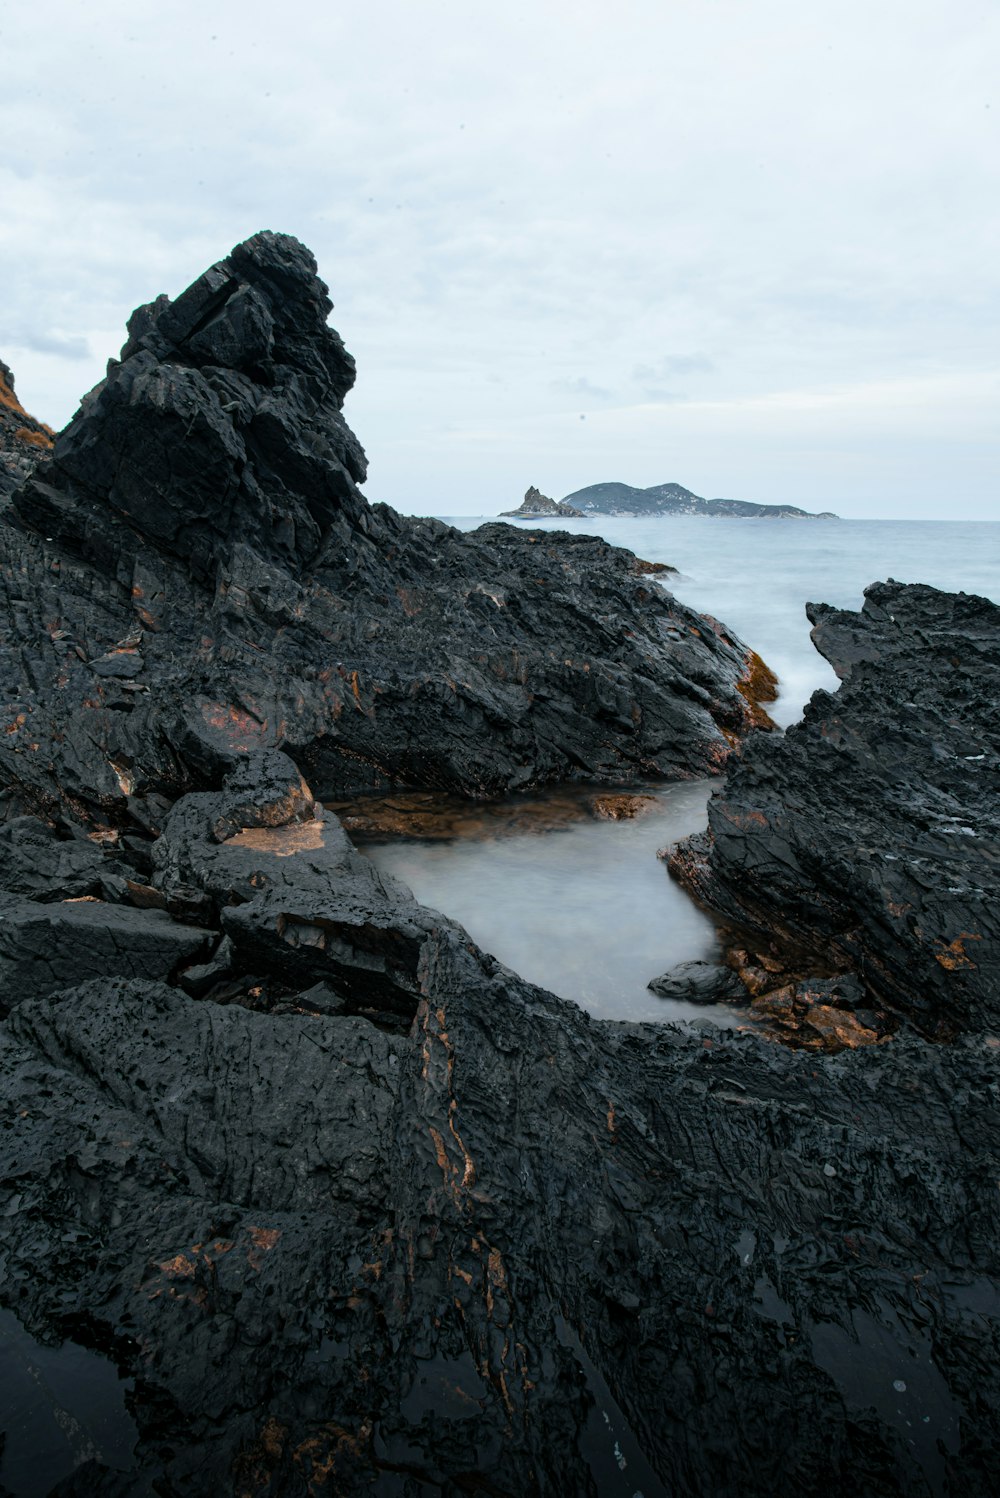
(660, 499)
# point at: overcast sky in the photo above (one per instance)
(747, 245)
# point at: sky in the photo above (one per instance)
(750, 246)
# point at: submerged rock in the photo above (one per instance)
(618, 807)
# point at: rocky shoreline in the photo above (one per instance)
(356, 1208)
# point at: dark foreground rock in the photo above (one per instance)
(866, 839)
(352, 1207)
(375, 1215)
(44, 948)
(419, 1245)
(195, 574)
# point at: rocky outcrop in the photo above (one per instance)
(354, 1208)
(865, 840)
(375, 1215)
(195, 573)
(23, 440)
(537, 506)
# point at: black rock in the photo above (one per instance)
(701, 983)
(321, 1246)
(201, 977)
(44, 948)
(867, 836)
(364, 1212)
(205, 578)
(35, 862)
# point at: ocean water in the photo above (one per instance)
(586, 909)
(757, 575)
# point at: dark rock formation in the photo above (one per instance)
(865, 840)
(46, 948)
(23, 440)
(353, 1207)
(535, 506)
(701, 983)
(459, 1237)
(195, 573)
(674, 499)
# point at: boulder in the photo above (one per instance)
(700, 983)
(45, 948)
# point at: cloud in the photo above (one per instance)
(654, 381)
(62, 345)
(676, 364)
(519, 222)
(583, 387)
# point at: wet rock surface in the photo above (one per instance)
(334, 1248)
(195, 573)
(353, 1207)
(866, 838)
(701, 983)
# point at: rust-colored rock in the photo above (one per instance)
(622, 807)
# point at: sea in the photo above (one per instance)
(584, 907)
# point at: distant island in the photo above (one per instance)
(667, 499)
(535, 505)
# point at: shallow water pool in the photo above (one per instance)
(578, 904)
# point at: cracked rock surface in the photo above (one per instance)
(390, 1253)
(196, 574)
(353, 1207)
(867, 838)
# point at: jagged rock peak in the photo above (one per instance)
(536, 503)
(261, 311)
(220, 424)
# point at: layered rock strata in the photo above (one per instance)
(353, 1208)
(865, 840)
(196, 574)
